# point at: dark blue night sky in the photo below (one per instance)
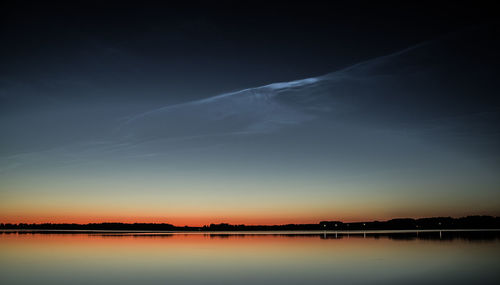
(256, 113)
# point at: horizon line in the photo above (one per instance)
(252, 225)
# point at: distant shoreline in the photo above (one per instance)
(401, 224)
(470, 235)
(241, 232)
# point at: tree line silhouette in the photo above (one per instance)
(438, 223)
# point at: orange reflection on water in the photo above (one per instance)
(209, 244)
(222, 258)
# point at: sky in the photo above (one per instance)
(258, 113)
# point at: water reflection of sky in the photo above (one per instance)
(243, 259)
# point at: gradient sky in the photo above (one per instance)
(257, 113)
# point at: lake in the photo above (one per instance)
(451, 257)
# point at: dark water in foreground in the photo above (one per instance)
(270, 258)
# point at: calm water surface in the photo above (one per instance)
(271, 258)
